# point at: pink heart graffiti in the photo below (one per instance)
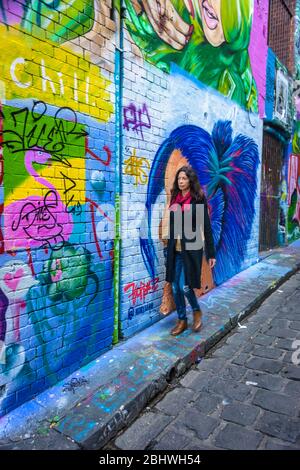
(12, 280)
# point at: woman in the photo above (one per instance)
(183, 251)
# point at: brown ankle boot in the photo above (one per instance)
(197, 325)
(175, 327)
(180, 327)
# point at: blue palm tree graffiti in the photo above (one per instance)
(227, 170)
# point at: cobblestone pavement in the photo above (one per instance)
(245, 394)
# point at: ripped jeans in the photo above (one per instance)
(180, 289)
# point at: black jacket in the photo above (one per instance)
(192, 258)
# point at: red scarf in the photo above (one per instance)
(183, 201)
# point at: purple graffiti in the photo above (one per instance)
(11, 12)
(136, 118)
(37, 221)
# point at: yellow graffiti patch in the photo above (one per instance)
(69, 182)
(33, 68)
(138, 167)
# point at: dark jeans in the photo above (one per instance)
(180, 289)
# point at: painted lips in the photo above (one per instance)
(210, 17)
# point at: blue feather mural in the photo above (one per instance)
(227, 170)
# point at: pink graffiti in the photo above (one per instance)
(15, 281)
(294, 184)
(37, 221)
(106, 150)
(142, 290)
(93, 205)
(12, 280)
(56, 267)
(136, 118)
(1, 176)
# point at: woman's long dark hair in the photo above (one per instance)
(196, 191)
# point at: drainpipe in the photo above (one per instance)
(118, 160)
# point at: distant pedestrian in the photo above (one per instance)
(183, 252)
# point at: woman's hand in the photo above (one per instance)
(167, 23)
(212, 262)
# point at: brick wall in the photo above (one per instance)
(282, 31)
(57, 171)
(181, 102)
(169, 117)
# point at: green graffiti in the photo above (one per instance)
(59, 20)
(296, 139)
(27, 128)
(66, 274)
(293, 228)
(61, 307)
(210, 41)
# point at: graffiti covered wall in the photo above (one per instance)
(209, 39)
(297, 48)
(57, 171)
(258, 50)
(170, 118)
(290, 189)
(290, 193)
(291, 170)
(186, 88)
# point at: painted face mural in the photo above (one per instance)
(207, 38)
(212, 22)
(227, 171)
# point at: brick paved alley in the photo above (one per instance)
(243, 395)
